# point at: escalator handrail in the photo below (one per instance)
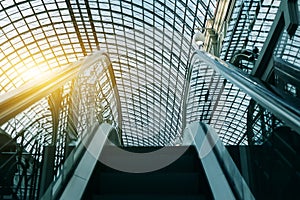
(260, 91)
(16, 101)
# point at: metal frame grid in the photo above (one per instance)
(288, 48)
(56, 121)
(149, 46)
(261, 124)
(248, 28)
(149, 43)
(32, 130)
(35, 37)
(140, 37)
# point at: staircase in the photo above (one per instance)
(184, 179)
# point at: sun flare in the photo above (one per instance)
(31, 74)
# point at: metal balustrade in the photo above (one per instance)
(47, 117)
(236, 104)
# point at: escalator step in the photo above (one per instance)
(149, 197)
(160, 183)
(186, 163)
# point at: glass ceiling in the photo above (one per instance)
(150, 44)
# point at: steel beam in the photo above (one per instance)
(286, 18)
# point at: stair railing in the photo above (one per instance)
(218, 79)
(220, 73)
(56, 111)
(223, 176)
(263, 93)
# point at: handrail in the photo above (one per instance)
(73, 94)
(256, 89)
(77, 163)
(224, 178)
(16, 101)
(77, 184)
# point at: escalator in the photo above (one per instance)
(183, 179)
(202, 169)
(271, 131)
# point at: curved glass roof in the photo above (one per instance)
(150, 44)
